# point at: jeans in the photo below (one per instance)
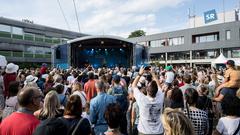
(100, 129)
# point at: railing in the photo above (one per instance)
(24, 54)
(32, 38)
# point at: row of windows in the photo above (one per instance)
(18, 33)
(198, 54)
(24, 54)
(200, 38)
(167, 42)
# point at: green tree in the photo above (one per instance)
(137, 33)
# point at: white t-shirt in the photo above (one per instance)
(71, 79)
(227, 126)
(82, 96)
(150, 110)
(169, 77)
(12, 101)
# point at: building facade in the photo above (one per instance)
(194, 46)
(25, 42)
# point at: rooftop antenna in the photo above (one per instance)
(191, 16)
(76, 15)
(224, 11)
(63, 15)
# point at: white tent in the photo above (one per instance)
(221, 59)
(3, 61)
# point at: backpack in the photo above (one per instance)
(121, 97)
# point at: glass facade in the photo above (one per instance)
(7, 31)
(167, 42)
(176, 41)
(231, 52)
(17, 33)
(209, 37)
(158, 57)
(5, 28)
(158, 43)
(206, 54)
(179, 55)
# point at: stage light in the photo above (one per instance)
(124, 45)
(102, 42)
(80, 45)
(105, 49)
(92, 49)
(121, 49)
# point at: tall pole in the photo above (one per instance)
(76, 15)
(224, 11)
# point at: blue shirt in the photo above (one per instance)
(97, 108)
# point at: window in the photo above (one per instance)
(39, 38)
(5, 31)
(29, 36)
(228, 34)
(157, 57)
(209, 37)
(179, 55)
(158, 43)
(206, 54)
(5, 28)
(176, 41)
(235, 53)
(48, 40)
(17, 33)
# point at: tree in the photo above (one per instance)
(137, 33)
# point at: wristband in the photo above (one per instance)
(139, 74)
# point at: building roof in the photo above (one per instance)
(99, 37)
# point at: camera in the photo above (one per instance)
(147, 68)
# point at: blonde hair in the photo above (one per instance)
(51, 105)
(77, 86)
(176, 123)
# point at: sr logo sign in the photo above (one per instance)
(210, 16)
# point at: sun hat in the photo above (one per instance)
(11, 68)
(30, 78)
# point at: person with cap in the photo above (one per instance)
(11, 75)
(231, 82)
(169, 75)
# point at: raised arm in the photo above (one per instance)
(140, 73)
(155, 78)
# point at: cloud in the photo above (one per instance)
(117, 17)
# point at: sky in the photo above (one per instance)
(112, 17)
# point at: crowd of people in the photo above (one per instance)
(177, 100)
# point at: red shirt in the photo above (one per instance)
(7, 78)
(19, 124)
(90, 89)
